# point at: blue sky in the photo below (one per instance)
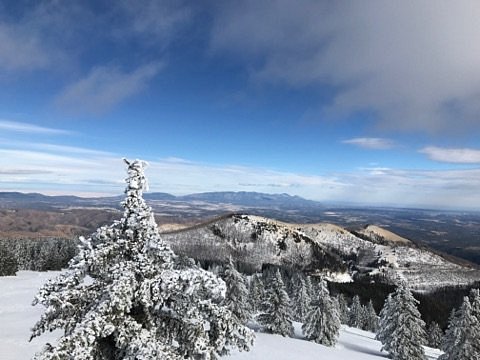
(370, 102)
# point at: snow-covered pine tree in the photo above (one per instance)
(342, 308)
(276, 314)
(463, 342)
(475, 301)
(355, 314)
(236, 297)
(125, 296)
(311, 290)
(451, 335)
(256, 292)
(385, 323)
(370, 321)
(322, 323)
(405, 333)
(301, 300)
(291, 282)
(8, 262)
(435, 335)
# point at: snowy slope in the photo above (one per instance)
(353, 344)
(17, 316)
(421, 268)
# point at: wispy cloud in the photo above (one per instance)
(105, 87)
(14, 171)
(445, 189)
(52, 170)
(78, 172)
(21, 51)
(21, 127)
(155, 21)
(452, 155)
(362, 50)
(371, 143)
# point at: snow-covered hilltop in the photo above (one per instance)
(256, 241)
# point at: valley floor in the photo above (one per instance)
(17, 316)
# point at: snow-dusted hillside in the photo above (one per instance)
(253, 241)
(256, 241)
(17, 316)
(397, 258)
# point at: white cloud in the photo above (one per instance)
(19, 51)
(454, 156)
(414, 64)
(371, 143)
(56, 36)
(105, 87)
(21, 127)
(158, 20)
(88, 171)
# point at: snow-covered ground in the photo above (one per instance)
(353, 344)
(17, 316)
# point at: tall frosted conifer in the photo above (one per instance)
(256, 292)
(370, 321)
(463, 333)
(236, 297)
(385, 322)
(301, 299)
(311, 289)
(276, 315)
(322, 323)
(126, 296)
(355, 314)
(451, 335)
(435, 335)
(475, 301)
(342, 308)
(402, 331)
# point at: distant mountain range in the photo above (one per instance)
(242, 199)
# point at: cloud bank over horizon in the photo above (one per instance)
(61, 169)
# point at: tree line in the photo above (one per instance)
(35, 254)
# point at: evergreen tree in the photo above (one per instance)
(451, 335)
(311, 291)
(435, 335)
(463, 338)
(475, 301)
(301, 300)
(385, 323)
(342, 308)
(404, 334)
(292, 282)
(276, 316)
(8, 262)
(355, 315)
(256, 292)
(138, 301)
(236, 297)
(370, 322)
(322, 323)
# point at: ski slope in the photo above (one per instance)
(17, 316)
